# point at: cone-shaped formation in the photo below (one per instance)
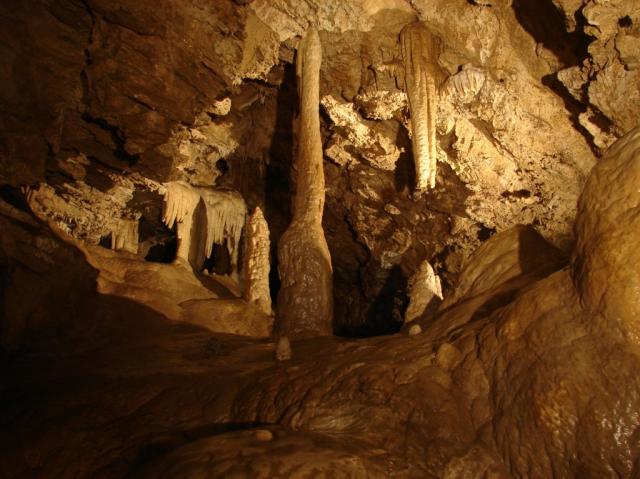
(420, 51)
(257, 264)
(305, 300)
(124, 235)
(220, 218)
(424, 286)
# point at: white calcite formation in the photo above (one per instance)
(420, 50)
(180, 202)
(257, 265)
(204, 217)
(87, 213)
(226, 216)
(424, 287)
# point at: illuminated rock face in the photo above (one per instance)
(305, 299)
(420, 50)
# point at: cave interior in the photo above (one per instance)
(319, 238)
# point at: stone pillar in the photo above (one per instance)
(420, 51)
(305, 300)
(257, 265)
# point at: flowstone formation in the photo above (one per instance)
(305, 299)
(605, 260)
(420, 52)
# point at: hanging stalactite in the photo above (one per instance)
(420, 51)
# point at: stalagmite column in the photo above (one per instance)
(257, 265)
(424, 286)
(305, 300)
(420, 51)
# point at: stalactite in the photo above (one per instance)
(224, 214)
(424, 286)
(124, 235)
(305, 300)
(420, 51)
(257, 263)
(180, 203)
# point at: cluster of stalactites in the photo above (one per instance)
(420, 51)
(180, 202)
(225, 217)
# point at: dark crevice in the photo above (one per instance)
(164, 251)
(278, 179)
(625, 22)
(546, 24)
(575, 108)
(13, 196)
(386, 313)
(117, 137)
(484, 233)
(516, 194)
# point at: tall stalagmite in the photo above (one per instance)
(420, 51)
(305, 300)
(257, 265)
